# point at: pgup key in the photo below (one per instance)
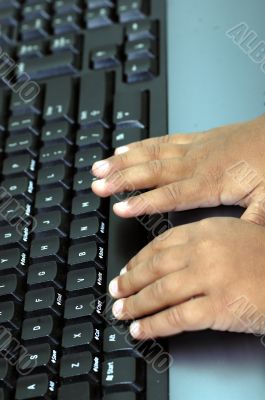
(92, 105)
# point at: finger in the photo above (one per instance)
(138, 156)
(172, 289)
(159, 265)
(193, 315)
(182, 195)
(173, 237)
(180, 139)
(255, 213)
(144, 176)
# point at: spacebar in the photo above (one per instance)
(53, 65)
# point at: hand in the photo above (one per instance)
(222, 166)
(209, 274)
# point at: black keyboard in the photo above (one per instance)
(78, 79)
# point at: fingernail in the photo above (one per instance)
(99, 185)
(117, 308)
(122, 206)
(123, 271)
(101, 167)
(113, 288)
(122, 149)
(135, 329)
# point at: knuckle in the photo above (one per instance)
(156, 168)
(183, 318)
(131, 307)
(158, 290)
(154, 265)
(173, 192)
(154, 151)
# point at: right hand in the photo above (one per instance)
(222, 166)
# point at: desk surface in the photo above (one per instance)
(213, 82)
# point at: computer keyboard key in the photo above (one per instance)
(11, 314)
(78, 390)
(37, 10)
(55, 131)
(91, 137)
(52, 152)
(47, 247)
(123, 373)
(123, 137)
(99, 18)
(42, 356)
(11, 287)
(105, 58)
(9, 235)
(89, 279)
(90, 253)
(19, 164)
(14, 259)
(83, 181)
(139, 30)
(59, 100)
(7, 376)
(23, 123)
(140, 70)
(20, 186)
(22, 142)
(40, 328)
(66, 23)
(54, 174)
(92, 109)
(91, 227)
(86, 157)
(39, 386)
(45, 273)
(88, 203)
(129, 10)
(65, 42)
(9, 16)
(83, 334)
(62, 7)
(117, 340)
(35, 29)
(31, 49)
(92, 4)
(80, 364)
(83, 306)
(58, 64)
(9, 3)
(130, 110)
(45, 299)
(52, 198)
(52, 222)
(18, 105)
(144, 48)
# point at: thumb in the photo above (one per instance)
(255, 213)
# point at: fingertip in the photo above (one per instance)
(122, 209)
(135, 330)
(100, 169)
(100, 187)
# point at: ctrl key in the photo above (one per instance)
(38, 386)
(125, 373)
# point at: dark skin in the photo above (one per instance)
(186, 278)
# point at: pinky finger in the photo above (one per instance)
(195, 314)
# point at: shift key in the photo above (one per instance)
(52, 65)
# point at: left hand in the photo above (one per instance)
(194, 277)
